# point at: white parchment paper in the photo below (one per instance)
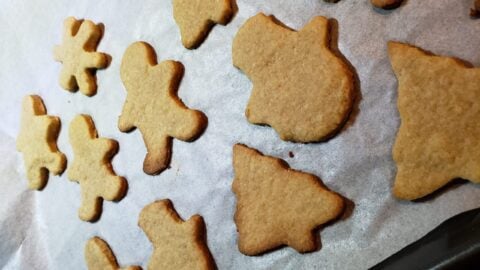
(41, 230)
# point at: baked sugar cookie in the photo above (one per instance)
(277, 205)
(177, 244)
(37, 141)
(79, 57)
(439, 104)
(152, 105)
(195, 18)
(92, 168)
(300, 87)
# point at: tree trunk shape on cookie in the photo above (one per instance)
(438, 101)
(277, 205)
(152, 105)
(300, 87)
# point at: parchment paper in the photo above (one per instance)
(41, 230)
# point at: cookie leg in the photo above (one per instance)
(56, 165)
(37, 178)
(67, 80)
(159, 153)
(91, 205)
(86, 83)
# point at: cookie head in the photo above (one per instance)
(300, 87)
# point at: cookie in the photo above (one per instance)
(277, 205)
(195, 18)
(438, 101)
(152, 105)
(37, 140)
(177, 244)
(475, 11)
(386, 4)
(92, 168)
(300, 87)
(99, 256)
(79, 57)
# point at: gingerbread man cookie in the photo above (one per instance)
(79, 57)
(438, 100)
(177, 244)
(276, 205)
(300, 87)
(99, 256)
(37, 141)
(152, 105)
(195, 18)
(92, 168)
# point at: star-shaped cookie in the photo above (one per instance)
(439, 104)
(79, 57)
(177, 244)
(99, 256)
(152, 105)
(195, 18)
(300, 87)
(92, 168)
(37, 141)
(276, 205)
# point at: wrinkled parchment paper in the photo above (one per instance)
(41, 230)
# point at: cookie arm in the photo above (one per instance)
(187, 124)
